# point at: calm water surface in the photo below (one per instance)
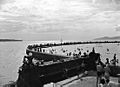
(11, 54)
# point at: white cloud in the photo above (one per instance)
(117, 27)
(38, 16)
(48, 8)
(44, 15)
(6, 26)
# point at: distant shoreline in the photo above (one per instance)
(9, 40)
(108, 38)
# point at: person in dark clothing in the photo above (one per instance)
(107, 61)
(114, 60)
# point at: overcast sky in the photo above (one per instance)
(55, 19)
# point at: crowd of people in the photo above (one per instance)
(75, 53)
(104, 71)
(48, 48)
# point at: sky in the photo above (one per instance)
(56, 19)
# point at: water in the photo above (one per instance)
(11, 54)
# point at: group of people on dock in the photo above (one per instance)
(112, 62)
(104, 71)
(78, 52)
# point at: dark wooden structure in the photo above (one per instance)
(52, 68)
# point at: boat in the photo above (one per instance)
(49, 67)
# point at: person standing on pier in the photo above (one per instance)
(100, 73)
(107, 61)
(107, 72)
(114, 60)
